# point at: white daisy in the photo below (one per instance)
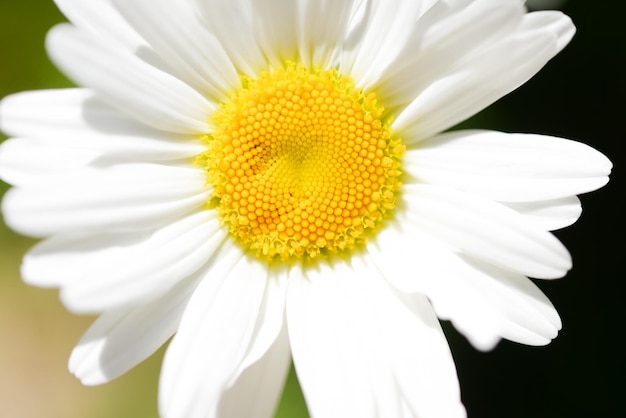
(267, 180)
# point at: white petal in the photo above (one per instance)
(271, 316)
(101, 19)
(508, 167)
(301, 31)
(484, 302)
(25, 162)
(99, 273)
(120, 339)
(482, 79)
(257, 391)
(362, 350)
(379, 37)
(213, 337)
(304, 31)
(144, 92)
(555, 21)
(444, 37)
(78, 119)
(550, 214)
(276, 29)
(486, 230)
(233, 23)
(525, 315)
(320, 25)
(129, 197)
(177, 34)
(264, 34)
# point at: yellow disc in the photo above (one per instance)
(302, 163)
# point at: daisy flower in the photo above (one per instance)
(268, 180)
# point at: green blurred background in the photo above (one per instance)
(579, 95)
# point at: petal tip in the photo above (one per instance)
(87, 374)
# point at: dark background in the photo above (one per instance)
(579, 95)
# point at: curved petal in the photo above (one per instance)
(556, 23)
(483, 78)
(508, 167)
(78, 119)
(271, 319)
(443, 38)
(276, 29)
(257, 390)
(141, 90)
(110, 270)
(379, 36)
(233, 24)
(321, 24)
(550, 214)
(102, 20)
(484, 302)
(25, 162)
(213, 337)
(127, 197)
(180, 38)
(486, 230)
(309, 31)
(122, 338)
(360, 349)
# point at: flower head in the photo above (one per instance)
(268, 180)
(302, 162)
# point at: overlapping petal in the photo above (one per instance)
(77, 119)
(108, 270)
(260, 384)
(23, 162)
(233, 24)
(508, 167)
(361, 349)
(180, 38)
(550, 214)
(63, 132)
(486, 230)
(265, 33)
(483, 77)
(378, 34)
(217, 328)
(134, 86)
(106, 173)
(122, 197)
(121, 338)
(270, 322)
(442, 39)
(484, 302)
(102, 20)
(320, 24)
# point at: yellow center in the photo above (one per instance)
(302, 163)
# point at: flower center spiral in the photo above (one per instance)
(302, 163)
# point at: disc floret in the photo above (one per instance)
(303, 163)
